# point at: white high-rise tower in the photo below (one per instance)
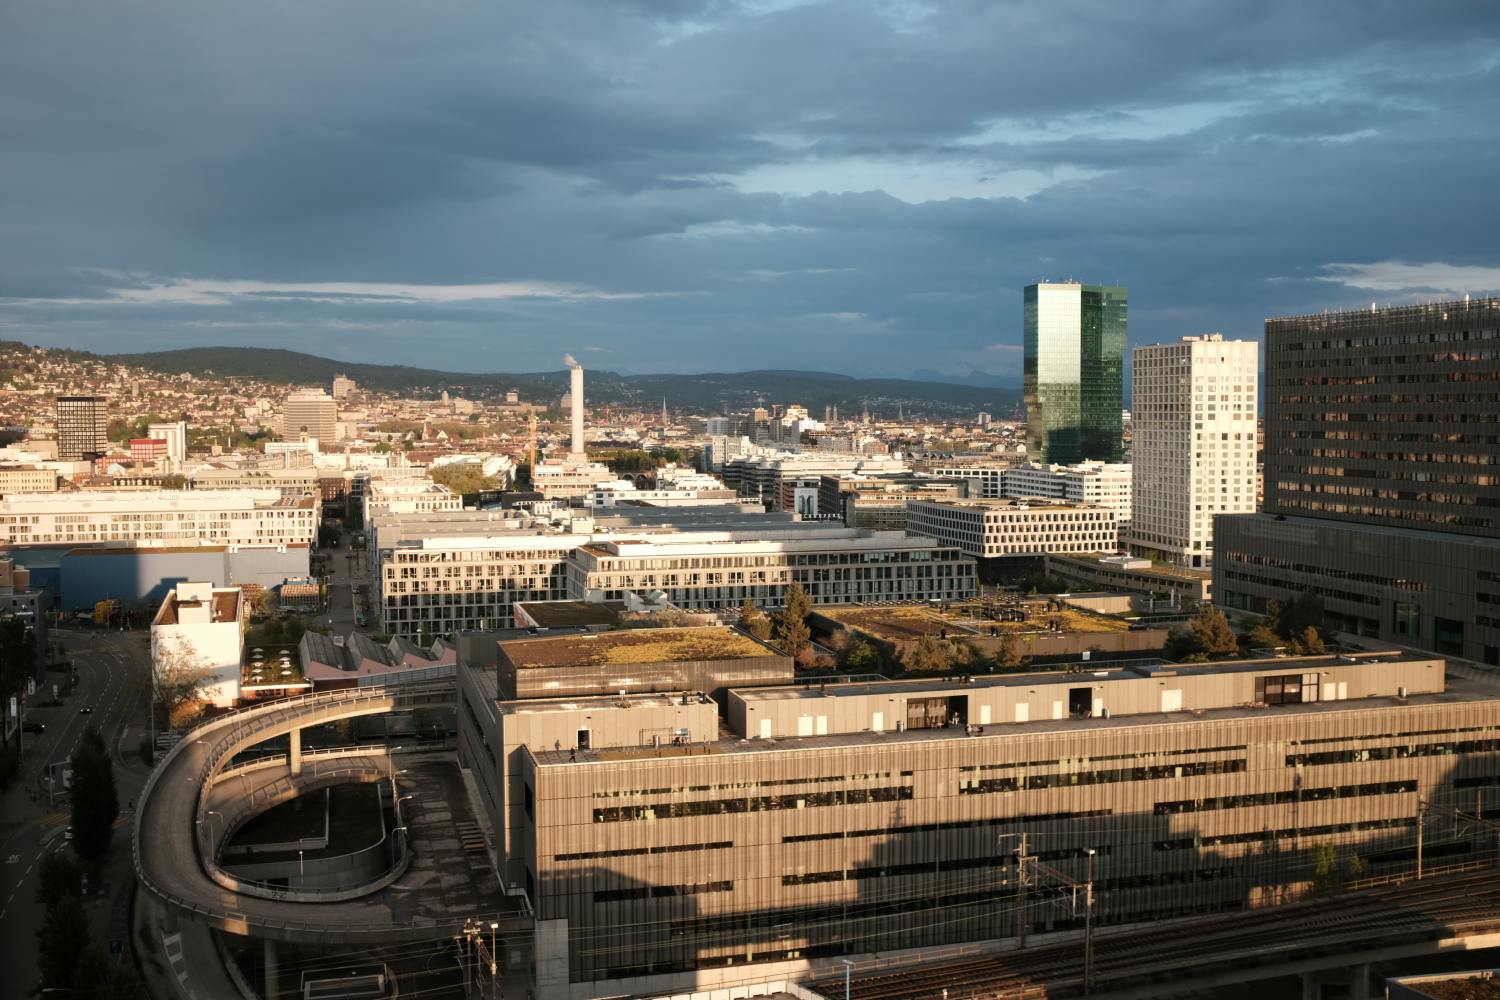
(1193, 450)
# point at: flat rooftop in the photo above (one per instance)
(571, 614)
(899, 622)
(1459, 690)
(543, 706)
(1153, 668)
(1010, 503)
(646, 645)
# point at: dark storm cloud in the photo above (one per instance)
(716, 185)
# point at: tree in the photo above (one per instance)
(790, 626)
(1309, 643)
(1008, 653)
(57, 876)
(1213, 633)
(61, 939)
(263, 605)
(926, 655)
(753, 621)
(103, 977)
(96, 804)
(1305, 612)
(860, 657)
(178, 673)
(1263, 635)
(1326, 878)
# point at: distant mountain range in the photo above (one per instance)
(723, 391)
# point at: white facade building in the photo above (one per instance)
(161, 517)
(199, 628)
(991, 529)
(175, 434)
(1105, 484)
(1193, 415)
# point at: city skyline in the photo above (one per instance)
(709, 186)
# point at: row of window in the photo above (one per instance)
(634, 852)
(751, 803)
(1194, 769)
(1410, 750)
(972, 824)
(731, 786)
(1284, 797)
(662, 891)
(1262, 836)
(1073, 762)
(935, 867)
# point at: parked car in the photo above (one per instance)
(33, 727)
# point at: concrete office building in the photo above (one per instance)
(719, 571)
(449, 573)
(1382, 477)
(997, 529)
(985, 476)
(82, 428)
(1102, 484)
(407, 496)
(763, 477)
(1194, 443)
(666, 843)
(310, 415)
(201, 627)
(1075, 338)
(1107, 571)
(343, 387)
(878, 501)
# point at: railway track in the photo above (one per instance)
(1439, 907)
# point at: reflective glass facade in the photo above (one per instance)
(1075, 362)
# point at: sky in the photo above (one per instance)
(705, 185)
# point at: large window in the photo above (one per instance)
(1286, 689)
(1406, 619)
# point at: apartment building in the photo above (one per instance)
(1102, 484)
(666, 845)
(166, 517)
(1194, 443)
(994, 529)
(1382, 492)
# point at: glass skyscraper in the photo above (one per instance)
(1075, 364)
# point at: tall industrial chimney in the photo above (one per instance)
(576, 394)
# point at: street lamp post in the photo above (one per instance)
(848, 968)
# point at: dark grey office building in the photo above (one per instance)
(82, 427)
(1382, 476)
(1075, 364)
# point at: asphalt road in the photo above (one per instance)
(111, 670)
